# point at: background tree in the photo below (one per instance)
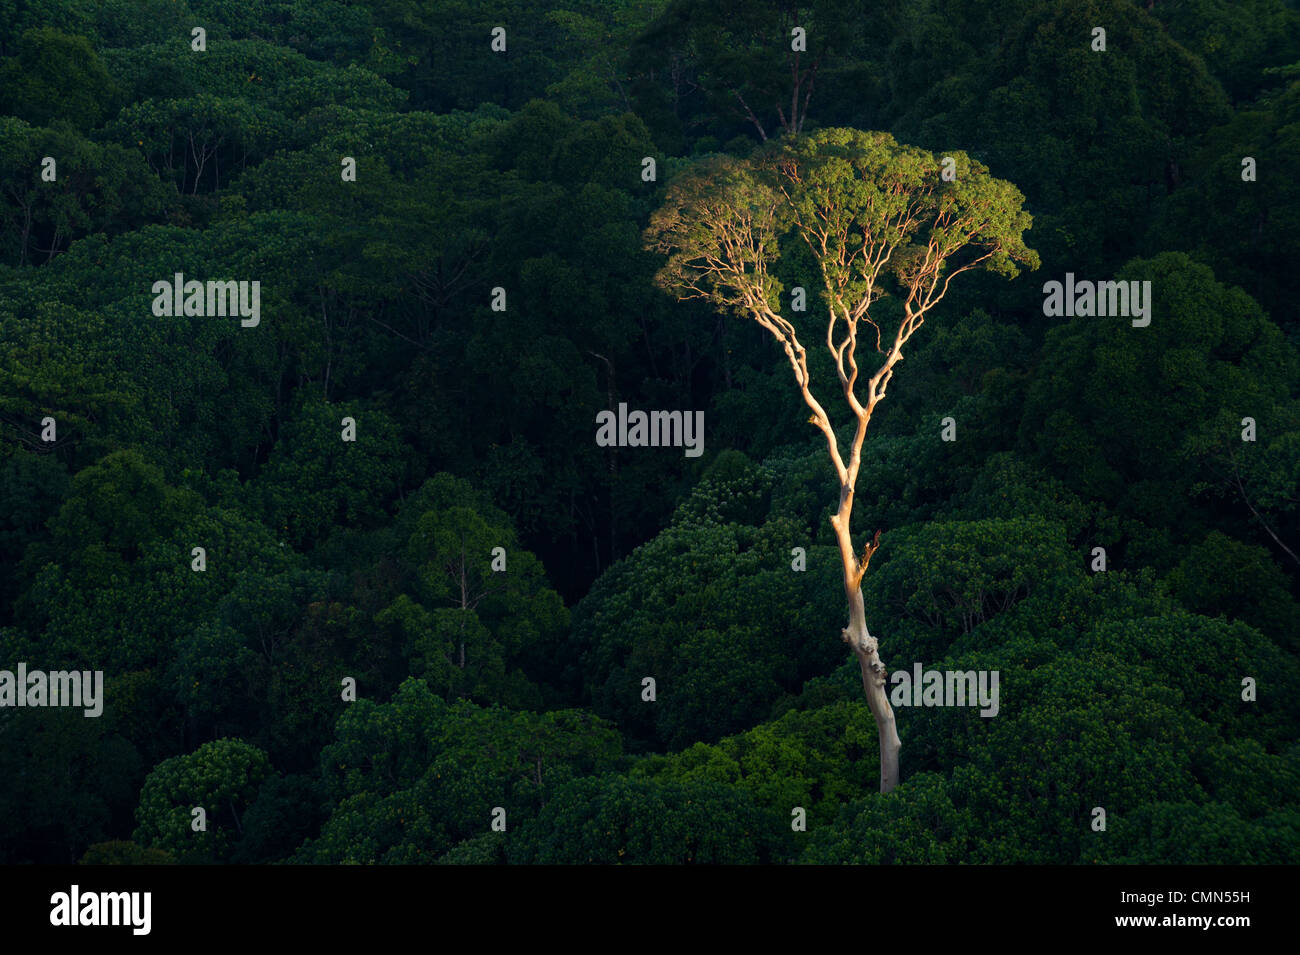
(222, 777)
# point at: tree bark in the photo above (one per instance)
(864, 645)
(874, 678)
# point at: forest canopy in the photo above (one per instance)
(362, 573)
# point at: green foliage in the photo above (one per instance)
(372, 560)
(1088, 136)
(55, 76)
(941, 579)
(66, 776)
(481, 614)
(125, 852)
(410, 779)
(722, 221)
(615, 820)
(114, 584)
(98, 188)
(1246, 231)
(916, 824)
(286, 811)
(1133, 419)
(487, 849)
(728, 66)
(1237, 40)
(1210, 678)
(712, 611)
(315, 481)
(222, 777)
(1222, 575)
(31, 489)
(1189, 834)
(818, 760)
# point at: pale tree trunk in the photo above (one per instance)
(873, 684)
(864, 645)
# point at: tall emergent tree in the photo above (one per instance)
(881, 220)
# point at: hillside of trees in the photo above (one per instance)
(495, 583)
